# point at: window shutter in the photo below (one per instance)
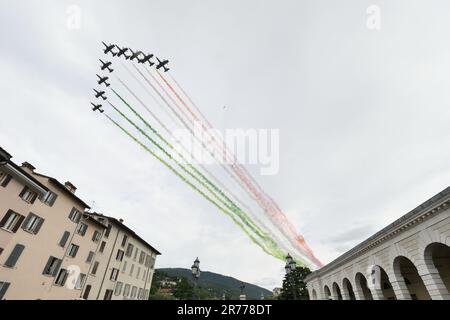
(18, 224)
(47, 266)
(86, 292)
(39, 225)
(34, 198)
(75, 252)
(23, 191)
(14, 256)
(64, 239)
(7, 180)
(58, 265)
(6, 217)
(3, 289)
(53, 199)
(27, 220)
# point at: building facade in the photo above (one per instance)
(408, 259)
(49, 242)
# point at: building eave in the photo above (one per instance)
(16, 171)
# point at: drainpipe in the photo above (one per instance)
(109, 261)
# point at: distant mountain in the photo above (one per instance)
(218, 284)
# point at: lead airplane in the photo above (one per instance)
(162, 64)
(109, 48)
(103, 80)
(97, 107)
(106, 65)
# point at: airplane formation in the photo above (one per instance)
(117, 51)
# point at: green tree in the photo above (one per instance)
(294, 286)
(184, 290)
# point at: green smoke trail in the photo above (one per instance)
(277, 254)
(230, 205)
(264, 236)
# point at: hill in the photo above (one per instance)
(216, 284)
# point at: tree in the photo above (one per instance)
(184, 290)
(294, 286)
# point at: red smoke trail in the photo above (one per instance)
(262, 198)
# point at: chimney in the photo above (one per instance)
(121, 220)
(69, 186)
(28, 166)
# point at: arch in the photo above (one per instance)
(411, 278)
(361, 285)
(379, 282)
(327, 292)
(336, 291)
(348, 288)
(314, 294)
(437, 259)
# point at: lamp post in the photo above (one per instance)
(290, 267)
(196, 273)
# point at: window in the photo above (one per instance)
(28, 195)
(131, 270)
(33, 223)
(11, 221)
(1, 250)
(64, 238)
(143, 275)
(108, 231)
(75, 215)
(82, 228)
(3, 288)
(140, 293)
(138, 272)
(72, 251)
(118, 289)
(87, 291)
(147, 261)
(126, 290)
(108, 295)
(102, 247)
(119, 256)
(90, 257)
(49, 198)
(96, 236)
(142, 257)
(80, 281)
(135, 254)
(146, 294)
(52, 266)
(4, 179)
(94, 268)
(152, 262)
(14, 256)
(124, 240)
(129, 250)
(133, 292)
(114, 274)
(124, 268)
(61, 278)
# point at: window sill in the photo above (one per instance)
(7, 230)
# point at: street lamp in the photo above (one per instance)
(196, 272)
(290, 267)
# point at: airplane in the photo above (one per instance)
(134, 55)
(103, 80)
(109, 48)
(100, 94)
(106, 65)
(97, 107)
(121, 51)
(162, 64)
(146, 58)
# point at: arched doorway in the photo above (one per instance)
(437, 255)
(347, 287)
(380, 282)
(337, 291)
(314, 294)
(361, 284)
(404, 267)
(327, 293)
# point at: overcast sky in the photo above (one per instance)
(363, 114)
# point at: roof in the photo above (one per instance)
(91, 219)
(63, 188)
(23, 172)
(4, 155)
(443, 195)
(121, 225)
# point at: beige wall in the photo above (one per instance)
(26, 278)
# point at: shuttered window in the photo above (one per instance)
(90, 257)
(102, 247)
(11, 221)
(94, 268)
(61, 278)
(3, 288)
(52, 266)
(72, 251)
(14, 256)
(75, 215)
(118, 289)
(86, 292)
(108, 231)
(28, 195)
(4, 179)
(82, 228)
(96, 236)
(80, 281)
(32, 223)
(64, 239)
(49, 198)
